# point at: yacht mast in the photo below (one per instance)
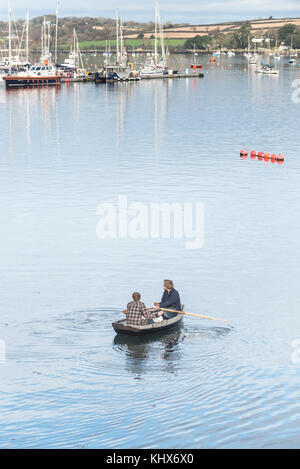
(162, 43)
(49, 36)
(117, 36)
(156, 32)
(75, 46)
(56, 32)
(121, 41)
(9, 36)
(27, 37)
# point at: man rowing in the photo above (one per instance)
(170, 300)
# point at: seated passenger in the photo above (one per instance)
(136, 312)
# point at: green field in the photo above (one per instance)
(130, 44)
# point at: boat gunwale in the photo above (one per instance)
(148, 328)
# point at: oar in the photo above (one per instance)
(196, 315)
(125, 311)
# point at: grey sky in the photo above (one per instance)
(193, 11)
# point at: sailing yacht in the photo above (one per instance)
(195, 65)
(292, 59)
(121, 70)
(157, 66)
(14, 63)
(73, 65)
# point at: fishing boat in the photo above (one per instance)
(121, 327)
(42, 74)
(31, 80)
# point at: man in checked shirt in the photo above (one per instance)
(136, 312)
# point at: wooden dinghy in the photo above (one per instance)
(121, 327)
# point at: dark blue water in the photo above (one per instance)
(67, 380)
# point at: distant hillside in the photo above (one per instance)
(258, 27)
(94, 32)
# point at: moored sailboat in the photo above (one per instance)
(42, 74)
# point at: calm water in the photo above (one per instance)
(68, 381)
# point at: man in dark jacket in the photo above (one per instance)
(170, 299)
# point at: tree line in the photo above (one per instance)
(239, 39)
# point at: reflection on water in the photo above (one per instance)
(138, 350)
(68, 379)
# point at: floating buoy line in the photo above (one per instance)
(262, 156)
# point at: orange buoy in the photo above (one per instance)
(260, 154)
(280, 158)
(253, 154)
(267, 155)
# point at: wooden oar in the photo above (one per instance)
(125, 311)
(192, 314)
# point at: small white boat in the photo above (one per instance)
(267, 70)
(151, 70)
(253, 59)
(292, 59)
(230, 53)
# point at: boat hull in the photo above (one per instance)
(121, 327)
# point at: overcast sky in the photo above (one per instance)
(192, 11)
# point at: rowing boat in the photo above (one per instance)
(121, 327)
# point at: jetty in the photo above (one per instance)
(173, 76)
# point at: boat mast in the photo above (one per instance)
(42, 37)
(117, 36)
(77, 51)
(156, 32)
(27, 37)
(48, 30)
(9, 36)
(122, 54)
(75, 48)
(56, 31)
(162, 42)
